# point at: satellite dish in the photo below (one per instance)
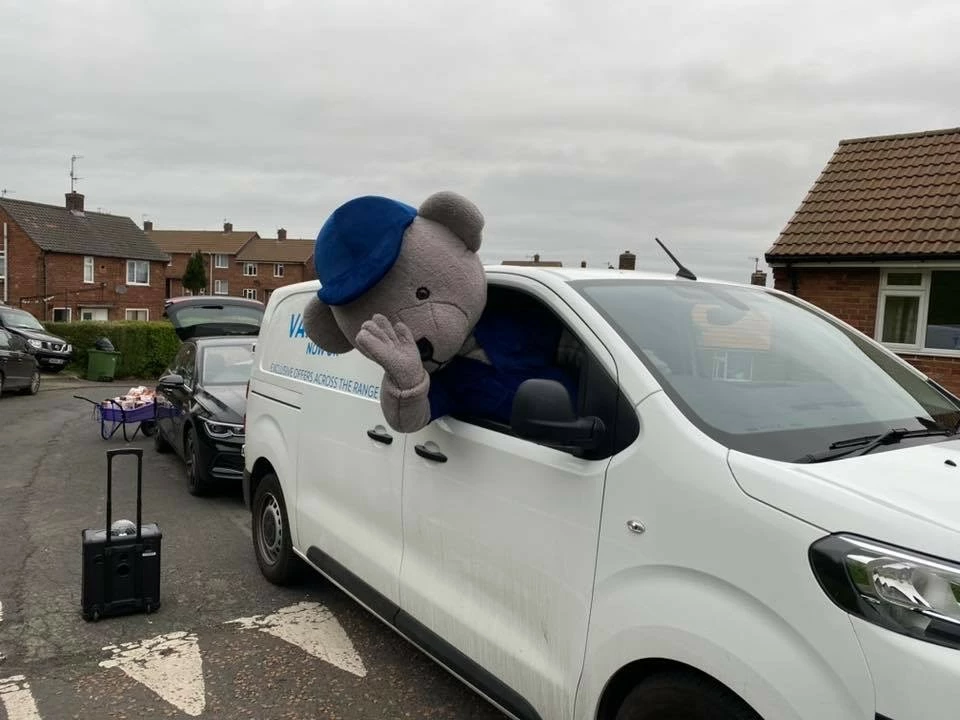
(120, 289)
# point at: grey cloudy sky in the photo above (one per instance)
(580, 128)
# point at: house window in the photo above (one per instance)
(250, 269)
(278, 269)
(920, 310)
(3, 265)
(220, 287)
(138, 272)
(61, 314)
(140, 314)
(221, 261)
(88, 269)
(250, 294)
(94, 314)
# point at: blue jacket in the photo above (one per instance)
(520, 347)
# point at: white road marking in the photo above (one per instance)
(17, 699)
(313, 628)
(170, 665)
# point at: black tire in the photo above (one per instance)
(197, 484)
(271, 534)
(682, 696)
(34, 387)
(159, 442)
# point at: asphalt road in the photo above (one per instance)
(305, 652)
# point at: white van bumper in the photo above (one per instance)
(914, 679)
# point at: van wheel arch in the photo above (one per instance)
(628, 677)
(261, 468)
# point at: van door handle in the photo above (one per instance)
(435, 455)
(380, 436)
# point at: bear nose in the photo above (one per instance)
(426, 349)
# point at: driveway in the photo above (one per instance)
(224, 644)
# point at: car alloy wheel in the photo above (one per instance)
(192, 461)
(35, 382)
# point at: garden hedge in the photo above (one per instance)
(145, 347)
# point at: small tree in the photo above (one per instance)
(195, 276)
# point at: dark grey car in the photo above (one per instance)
(19, 369)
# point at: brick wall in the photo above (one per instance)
(65, 282)
(851, 295)
(23, 264)
(178, 266)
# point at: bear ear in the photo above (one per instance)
(321, 327)
(456, 213)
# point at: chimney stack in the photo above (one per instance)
(759, 277)
(536, 257)
(147, 225)
(583, 263)
(75, 201)
(282, 234)
(228, 227)
(628, 261)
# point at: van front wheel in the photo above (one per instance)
(682, 696)
(271, 534)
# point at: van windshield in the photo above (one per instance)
(761, 373)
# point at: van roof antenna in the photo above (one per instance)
(681, 270)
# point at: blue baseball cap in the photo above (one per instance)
(357, 246)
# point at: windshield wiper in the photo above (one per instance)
(868, 443)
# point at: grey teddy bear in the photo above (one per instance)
(406, 288)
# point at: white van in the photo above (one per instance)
(751, 510)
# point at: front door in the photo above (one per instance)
(173, 404)
(500, 543)
(14, 360)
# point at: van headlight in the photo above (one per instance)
(222, 431)
(35, 344)
(903, 591)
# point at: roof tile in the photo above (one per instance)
(207, 241)
(896, 195)
(56, 229)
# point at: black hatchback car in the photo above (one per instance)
(52, 352)
(18, 365)
(201, 397)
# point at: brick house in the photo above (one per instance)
(64, 263)
(219, 249)
(876, 242)
(268, 263)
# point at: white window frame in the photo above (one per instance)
(221, 261)
(250, 293)
(921, 291)
(247, 266)
(3, 266)
(278, 270)
(132, 265)
(88, 269)
(221, 287)
(145, 311)
(69, 314)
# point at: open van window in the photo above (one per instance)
(761, 373)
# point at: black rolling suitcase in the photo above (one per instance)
(121, 565)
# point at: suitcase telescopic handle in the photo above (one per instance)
(111, 454)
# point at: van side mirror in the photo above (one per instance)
(542, 412)
(170, 382)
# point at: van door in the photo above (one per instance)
(350, 467)
(500, 541)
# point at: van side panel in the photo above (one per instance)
(349, 461)
(717, 581)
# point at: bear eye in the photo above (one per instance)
(422, 293)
